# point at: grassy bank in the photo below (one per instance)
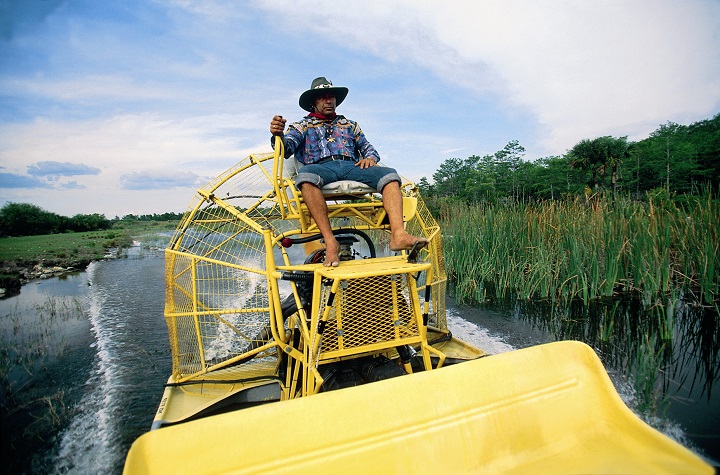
(18, 254)
(587, 250)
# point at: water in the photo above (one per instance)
(112, 376)
(132, 362)
(117, 357)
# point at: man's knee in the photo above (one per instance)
(311, 179)
(388, 179)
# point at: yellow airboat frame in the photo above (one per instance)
(545, 409)
(228, 246)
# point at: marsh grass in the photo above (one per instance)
(33, 340)
(638, 281)
(584, 250)
(646, 368)
(69, 248)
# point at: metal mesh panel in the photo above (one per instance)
(217, 303)
(217, 296)
(238, 203)
(369, 310)
(214, 312)
(423, 224)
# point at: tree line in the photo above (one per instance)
(674, 160)
(167, 216)
(25, 219)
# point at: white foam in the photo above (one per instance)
(475, 335)
(86, 445)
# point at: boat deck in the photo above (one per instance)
(546, 409)
(249, 383)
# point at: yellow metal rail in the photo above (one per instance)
(224, 273)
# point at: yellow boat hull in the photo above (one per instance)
(546, 409)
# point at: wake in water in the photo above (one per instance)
(629, 396)
(85, 446)
(131, 363)
(475, 335)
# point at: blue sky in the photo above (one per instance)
(121, 107)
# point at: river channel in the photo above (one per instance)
(103, 367)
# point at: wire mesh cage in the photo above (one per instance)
(222, 291)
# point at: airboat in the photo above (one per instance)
(283, 365)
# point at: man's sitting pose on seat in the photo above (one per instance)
(334, 148)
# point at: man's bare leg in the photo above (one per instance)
(315, 201)
(392, 202)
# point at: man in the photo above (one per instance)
(333, 148)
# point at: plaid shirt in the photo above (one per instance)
(312, 139)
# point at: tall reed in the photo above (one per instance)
(584, 249)
(33, 378)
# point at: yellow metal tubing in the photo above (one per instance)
(198, 334)
(276, 318)
(234, 212)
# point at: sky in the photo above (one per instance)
(128, 107)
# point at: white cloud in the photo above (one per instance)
(132, 152)
(89, 88)
(159, 179)
(55, 169)
(581, 69)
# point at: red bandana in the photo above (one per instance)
(320, 116)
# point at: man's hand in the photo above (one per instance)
(277, 125)
(366, 163)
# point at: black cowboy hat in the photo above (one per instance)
(320, 86)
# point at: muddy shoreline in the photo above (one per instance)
(13, 275)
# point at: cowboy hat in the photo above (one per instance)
(320, 86)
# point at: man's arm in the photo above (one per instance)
(291, 139)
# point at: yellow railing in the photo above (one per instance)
(224, 282)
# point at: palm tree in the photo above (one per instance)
(598, 155)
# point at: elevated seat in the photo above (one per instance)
(344, 198)
(348, 188)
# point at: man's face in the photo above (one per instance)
(325, 104)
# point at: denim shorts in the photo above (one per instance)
(329, 171)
